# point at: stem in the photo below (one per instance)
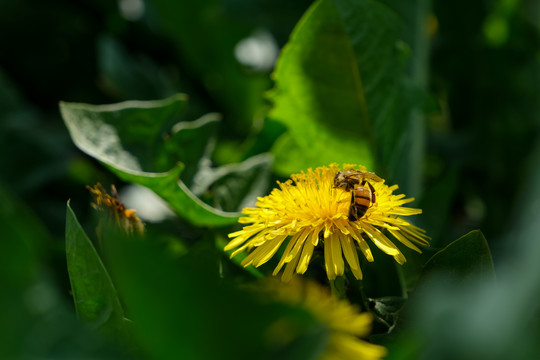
(337, 287)
(420, 76)
(365, 300)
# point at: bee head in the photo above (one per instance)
(340, 180)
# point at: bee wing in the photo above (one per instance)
(371, 176)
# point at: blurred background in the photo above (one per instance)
(481, 74)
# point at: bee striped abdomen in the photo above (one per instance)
(360, 201)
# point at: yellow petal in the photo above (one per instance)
(364, 247)
(298, 245)
(284, 256)
(307, 252)
(289, 269)
(349, 250)
(267, 250)
(404, 241)
(329, 261)
(380, 240)
(339, 266)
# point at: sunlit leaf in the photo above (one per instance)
(193, 142)
(338, 82)
(94, 294)
(319, 93)
(131, 139)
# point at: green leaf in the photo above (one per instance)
(128, 135)
(465, 258)
(338, 86)
(290, 157)
(193, 142)
(94, 294)
(371, 31)
(391, 97)
(130, 139)
(319, 93)
(343, 92)
(401, 136)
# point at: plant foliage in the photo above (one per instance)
(435, 98)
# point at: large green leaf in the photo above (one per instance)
(94, 294)
(371, 31)
(131, 139)
(319, 93)
(127, 135)
(338, 81)
(467, 257)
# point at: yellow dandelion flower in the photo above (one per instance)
(346, 325)
(314, 211)
(125, 218)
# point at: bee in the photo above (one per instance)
(362, 197)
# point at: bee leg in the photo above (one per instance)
(352, 214)
(372, 192)
(352, 210)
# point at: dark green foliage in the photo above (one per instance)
(438, 97)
